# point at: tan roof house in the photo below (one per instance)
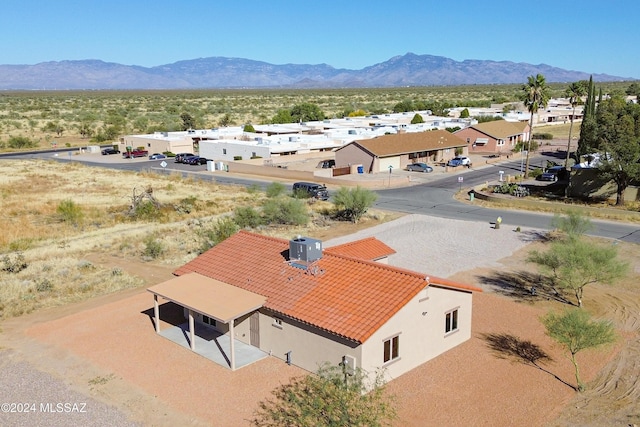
(399, 150)
(252, 296)
(499, 136)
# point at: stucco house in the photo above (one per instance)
(399, 150)
(307, 305)
(496, 137)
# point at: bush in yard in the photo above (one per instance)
(332, 397)
(153, 248)
(275, 189)
(352, 203)
(246, 217)
(223, 228)
(70, 212)
(285, 210)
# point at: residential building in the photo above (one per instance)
(496, 137)
(307, 305)
(397, 151)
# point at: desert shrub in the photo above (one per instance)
(222, 229)
(187, 205)
(285, 211)
(21, 244)
(146, 210)
(237, 157)
(249, 128)
(153, 248)
(522, 145)
(246, 217)
(275, 189)
(452, 129)
(512, 189)
(13, 264)
(21, 142)
(484, 119)
(44, 285)
(352, 203)
(545, 136)
(535, 173)
(70, 212)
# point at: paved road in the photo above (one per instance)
(434, 198)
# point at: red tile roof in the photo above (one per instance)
(370, 249)
(344, 295)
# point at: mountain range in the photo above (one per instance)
(222, 72)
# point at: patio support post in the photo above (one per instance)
(192, 332)
(156, 312)
(231, 339)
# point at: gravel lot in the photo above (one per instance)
(443, 247)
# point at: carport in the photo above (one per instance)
(217, 300)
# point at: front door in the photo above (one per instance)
(254, 329)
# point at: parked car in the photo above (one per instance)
(157, 156)
(196, 160)
(419, 167)
(310, 189)
(108, 151)
(135, 153)
(180, 158)
(553, 174)
(459, 161)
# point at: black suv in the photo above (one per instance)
(310, 189)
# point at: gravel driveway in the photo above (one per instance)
(443, 247)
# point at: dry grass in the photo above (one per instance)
(48, 256)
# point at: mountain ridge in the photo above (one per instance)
(224, 72)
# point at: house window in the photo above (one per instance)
(224, 151)
(413, 155)
(209, 321)
(451, 321)
(391, 349)
(501, 142)
(277, 322)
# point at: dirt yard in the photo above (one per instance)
(106, 350)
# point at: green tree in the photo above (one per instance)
(575, 263)
(574, 92)
(352, 203)
(535, 95)
(275, 189)
(575, 330)
(249, 128)
(464, 114)
(404, 106)
(282, 116)
(332, 397)
(246, 217)
(226, 120)
(188, 122)
(633, 90)
(574, 225)
(306, 112)
(417, 118)
(618, 140)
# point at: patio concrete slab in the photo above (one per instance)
(214, 345)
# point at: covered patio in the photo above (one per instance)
(217, 300)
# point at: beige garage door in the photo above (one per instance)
(394, 162)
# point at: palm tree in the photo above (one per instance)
(535, 94)
(574, 92)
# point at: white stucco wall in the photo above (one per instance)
(215, 150)
(308, 349)
(421, 327)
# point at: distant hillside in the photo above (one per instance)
(220, 72)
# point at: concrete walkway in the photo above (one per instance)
(214, 345)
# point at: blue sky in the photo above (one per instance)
(590, 36)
